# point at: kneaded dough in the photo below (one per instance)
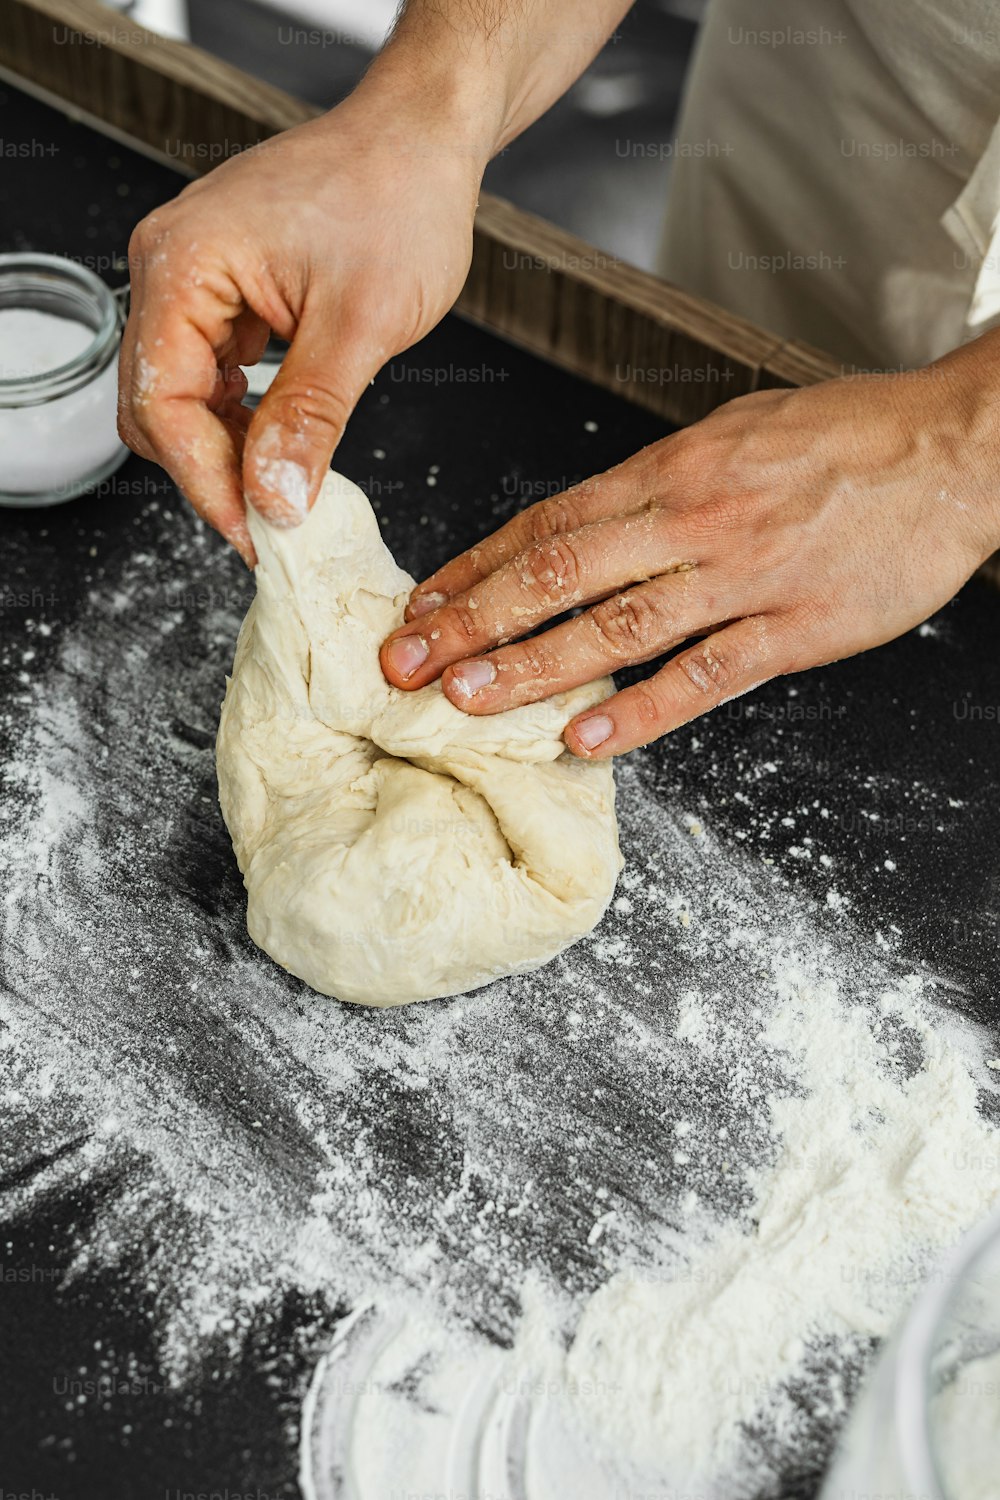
(393, 848)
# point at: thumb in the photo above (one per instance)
(301, 419)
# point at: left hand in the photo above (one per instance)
(786, 530)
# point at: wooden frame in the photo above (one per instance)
(543, 288)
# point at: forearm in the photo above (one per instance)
(493, 66)
(962, 404)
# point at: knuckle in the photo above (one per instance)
(553, 517)
(531, 660)
(147, 239)
(305, 409)
(646, 706)
(139, 239)
(712, 670)
(148, 419)
(551, 570)
(138, 429)
(463, 623)
(629, 623)
(720, 515)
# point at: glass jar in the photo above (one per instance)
(60, 327)
(926, 1425)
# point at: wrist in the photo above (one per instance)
(443, 91)
(976, 369)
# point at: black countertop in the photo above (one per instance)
(125, 957)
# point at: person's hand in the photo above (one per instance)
(786, 530)
(350, 236)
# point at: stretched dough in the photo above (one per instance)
(392, 847)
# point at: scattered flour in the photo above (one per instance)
(879, 1168)
(447, 1167)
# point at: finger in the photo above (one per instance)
(301, 419)
(170, 373)
(730, 662)
(236, 418)
(230, 388)
(624, 490)
(168, 403)
(546, 579)
(250, 336)
(626, 629)
(244, 346)
(138, 257)
(128, 430)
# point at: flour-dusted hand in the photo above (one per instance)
(786, 530)
(349, 236)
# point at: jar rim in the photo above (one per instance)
(35, 271)
(918, 1344)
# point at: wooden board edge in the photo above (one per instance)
(795, 364)
(618, 326)
(172, 97)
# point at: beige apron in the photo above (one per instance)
(837, 173)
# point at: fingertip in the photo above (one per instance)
(591, 736)
(464, 685)
(454, 695)
(240, 540)
(401, 658)
(386, 665)
(283, 467)
(279, 489)
(423, 604)
(231, 525)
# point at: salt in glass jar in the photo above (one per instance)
(60, 327)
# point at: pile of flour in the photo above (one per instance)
(882, 1161)
(713, 1363)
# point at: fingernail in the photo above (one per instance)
(407, 654)
(422, 604)
(594, 731)
(470, 676)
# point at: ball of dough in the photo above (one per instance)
(393, 848)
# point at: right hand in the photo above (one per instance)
(350, 236)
